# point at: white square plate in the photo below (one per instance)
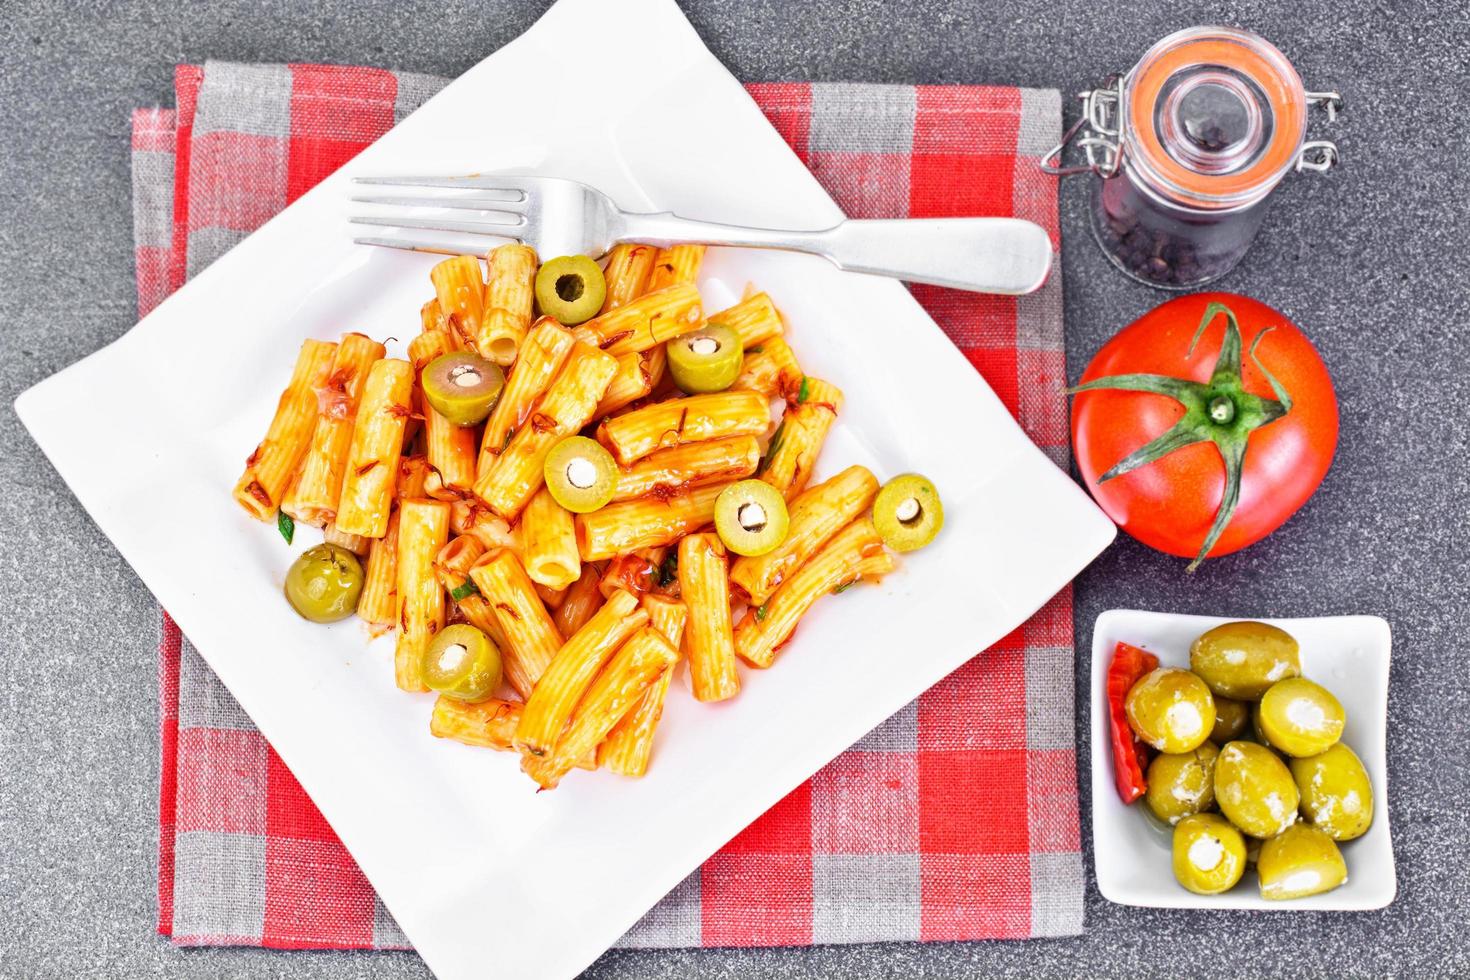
(1346, 654)
(485, 875)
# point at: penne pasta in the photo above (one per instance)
(459, 290)
(770, 368)
(855, 552)
(721, 415)
(313, 496)
(676, 264)
(754, 318)
(423, 529)
(509, 298)
(629, 745)
(709, 637)
(678, 467)
(620, 686)
(627, 272)
(549, 542)
(792, 455)
(531, 639)
(567, 406)
(355, 543)
(452, 567)
(646, 322)
(633, 380)
(541, 357)
(816, 514)
(580, 602)
(645, 523)
(273, 465)
(377, 604)
(576, 664)
(377, 442)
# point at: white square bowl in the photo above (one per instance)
(1346, 654)
(521, 883)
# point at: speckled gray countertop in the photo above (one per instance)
(1370, 261)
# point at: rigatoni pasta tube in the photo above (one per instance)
(629, 745)
(615, 692)
(549, 542)
(676, 264)
(754, 319)
(645, 523)
(452, 567)
(433, 320)
(797, 443)
(313, 496)
(628, 268)
(770, 368)
(709, 637)
(721, 415)
(542, 355)
(580, 603)
(816, 514)
(355, 543)
(378, 602)
(633, 380)
(566, 407)
(489, 724)
(509, 297)
(451, 448)
(856, 552)
(273, 464)
(460, 292)
(646, 322)
(413, 477)
(576, 664)
(423, 529)
(531, 638)
(377, 441)
(689, 465)
(473, 518)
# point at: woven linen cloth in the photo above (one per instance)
(955, 819)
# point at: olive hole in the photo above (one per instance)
(569, 287)
(909, 512)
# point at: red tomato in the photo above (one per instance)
(1170, 503)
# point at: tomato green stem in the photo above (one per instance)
(1221, 411)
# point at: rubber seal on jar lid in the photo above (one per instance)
(1216, 117)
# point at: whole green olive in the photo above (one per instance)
(1209, 854)
(1240, 660)
(1171, 709)
(1254, 789)
(1232, 718)
(1337, 796)
(1300, 717)
(323, 583)
(1298, 862)
(1182, 785)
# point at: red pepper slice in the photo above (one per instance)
(1129, 754)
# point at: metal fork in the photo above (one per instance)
(563, 217)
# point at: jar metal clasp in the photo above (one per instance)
(1320, 156)
(1102, 143)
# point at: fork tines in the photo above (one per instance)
(498, 203)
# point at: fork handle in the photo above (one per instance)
(983, 255)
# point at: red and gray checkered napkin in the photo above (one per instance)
(955, 819)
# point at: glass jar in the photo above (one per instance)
(1188, 146)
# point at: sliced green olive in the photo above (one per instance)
(750, 517)
(707, 360)
(462, 663)
(323, 583)
(571, 289)
(462, 386)
(908, 512)
(580, 474)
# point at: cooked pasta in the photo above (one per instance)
(272, 466)
(531, 639)
(755, 319)
(645, 523)
(549, 542)
(629, 745)
(423, 529)
(770, 368)
(377, 442)
(709, 636)
(509, 298)
(679, 263)
(721, 415)
(541, 356)
(793, 452)
(628, 269)
(689, 465)
(459, 290)
(452, 567)
(646, 322)
(580, 603)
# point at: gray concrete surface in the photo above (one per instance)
(1370, 261)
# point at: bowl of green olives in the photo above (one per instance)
(1252, 757)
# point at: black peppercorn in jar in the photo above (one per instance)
(1188, 147)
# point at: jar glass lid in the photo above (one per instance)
(1215, 117)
